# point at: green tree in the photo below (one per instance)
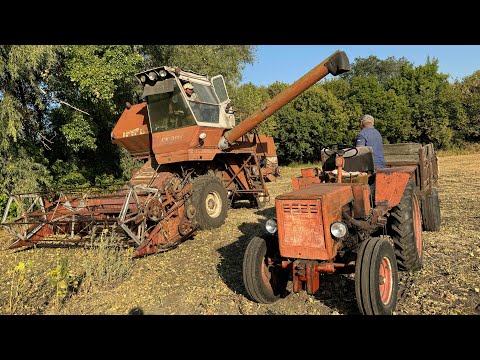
(391, 111)
(24, 73)
(434, 107)
(338, 87)
(383, 70)
(248, 98)
(97, 80)
(59, 104)
(469, 92)
(314, 119)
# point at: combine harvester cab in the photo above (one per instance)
(197, 163)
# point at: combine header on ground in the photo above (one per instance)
(196, 164)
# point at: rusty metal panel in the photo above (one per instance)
(302, 182)
(300, 228)
(390, 184)
(361, 198)
(309, 172)
(313, 278)
(361, 203)
(304, 218)
(320, 191)
(266, 145)
(296, 183)
(185, 144)
(131, 131)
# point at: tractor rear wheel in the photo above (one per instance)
(264, 281)
(210, 199)
(431, 211)
(376, 277)
(405, 228)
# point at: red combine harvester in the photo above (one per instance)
(348, 217)
(196, 163)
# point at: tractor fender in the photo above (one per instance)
(390, 184)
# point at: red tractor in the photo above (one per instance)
(346, 217)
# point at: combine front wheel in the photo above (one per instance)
(210, 200)
(264, 281)
(376, 277)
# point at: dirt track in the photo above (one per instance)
(204, 276)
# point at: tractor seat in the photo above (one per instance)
(362, 162)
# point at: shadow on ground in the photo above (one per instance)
(230, 266)
(338, 293)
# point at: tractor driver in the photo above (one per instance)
(369, 136)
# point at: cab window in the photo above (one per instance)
(169, 111)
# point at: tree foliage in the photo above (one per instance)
(24, 72)
(430, 99)
(59, 104)
(383, 70)
(469, 92)
(391, 111)
(313, 119)
(248, 98)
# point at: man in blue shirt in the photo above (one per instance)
(369, 136)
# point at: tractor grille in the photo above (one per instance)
(300, 228)
(300, 208)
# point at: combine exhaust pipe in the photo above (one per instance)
(335, 64)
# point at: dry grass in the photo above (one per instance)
(469, 148)
(204, 275)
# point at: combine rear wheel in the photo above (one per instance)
(376, 277)
(405, 228)
(264, 281)
(210, 201)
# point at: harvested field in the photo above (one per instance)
(204, 275)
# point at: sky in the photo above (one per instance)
(288, 63)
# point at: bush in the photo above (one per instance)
(107, 263)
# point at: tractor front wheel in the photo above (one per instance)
(376, 277)
(264, 280)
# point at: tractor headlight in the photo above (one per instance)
(271, 226)
(338, 229)
(162, 73)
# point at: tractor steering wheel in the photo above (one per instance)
(340, 150)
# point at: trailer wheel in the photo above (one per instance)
(264, 281)
(210, 200)
(405, 228)
(431, 211)
(376, 277)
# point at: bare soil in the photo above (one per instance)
(204, 275)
